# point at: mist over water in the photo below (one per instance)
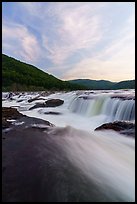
(104, 161)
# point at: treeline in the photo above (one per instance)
(19, 76)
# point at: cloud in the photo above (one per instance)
(76, 30)
(75, 27)
(114, 61)
(17, 40)
(73, 40)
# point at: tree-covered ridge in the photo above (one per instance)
(94, 84)
(104, 84)
(19, 76)
(130, 84)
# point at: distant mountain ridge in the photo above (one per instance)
(104, 84)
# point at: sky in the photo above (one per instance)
(72, 40)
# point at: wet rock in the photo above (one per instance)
(47, 93)
(124, 97)
(126, 128)
(21, 120)
(20, 100)
(38, 105)
(9, 113)
(33, 99)
(19, 95)
(5, 123)
(52, 113)
(86, 97)
(54, 102)
(10, 95)
(48, 103)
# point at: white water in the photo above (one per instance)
(85, 114)
(105, 157)
(114, 108)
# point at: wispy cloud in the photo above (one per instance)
(116, 61)
(77, 28)
(18, 41)
(74, 40)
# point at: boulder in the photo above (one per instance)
(10, 95)
(9, 113)
(38, 105)
(54, 102)
(33, 99)
(20, 100)
(126, 128)
(52, 113)
(48, 103)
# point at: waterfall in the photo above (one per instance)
(115, 108)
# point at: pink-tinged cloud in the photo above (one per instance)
(17, 39)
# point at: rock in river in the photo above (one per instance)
(126, 128)
(48, 103)
(54, 102)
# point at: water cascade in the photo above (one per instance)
(115, 108)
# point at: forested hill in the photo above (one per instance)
(19, 76)
(130, 84)
(104, 84)
(94, 84)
